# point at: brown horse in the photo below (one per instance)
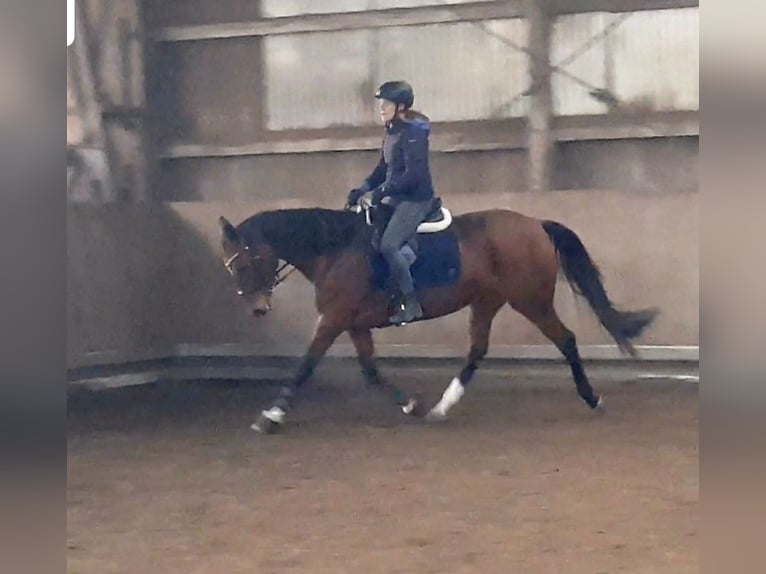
(505, 257)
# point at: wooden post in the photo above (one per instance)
(91, 101)
(261, 89)
(138, 148)
(539, 139)
(146, 61)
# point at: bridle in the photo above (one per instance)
(276, 280)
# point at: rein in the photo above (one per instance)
(277, 279)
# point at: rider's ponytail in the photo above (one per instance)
(416, 115)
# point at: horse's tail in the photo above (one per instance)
(585, 279)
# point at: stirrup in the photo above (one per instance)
(401, 317)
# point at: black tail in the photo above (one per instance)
(585, 279)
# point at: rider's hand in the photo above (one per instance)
(366, 200)
(354, 196)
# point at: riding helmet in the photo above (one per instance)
(399, 92)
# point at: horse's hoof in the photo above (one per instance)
(434, 416)
(410, 407)
(600, 408)
(414, 407)
(420, 410)
(265, 425)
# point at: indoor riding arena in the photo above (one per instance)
(183, 112)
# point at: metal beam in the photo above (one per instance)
(397, 17)
(367, 19)
(617, 6)
(564, 129)
(444, 143)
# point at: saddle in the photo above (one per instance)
(438, 219)
(434, 239)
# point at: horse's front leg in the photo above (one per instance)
(325, 333)
(365, 349)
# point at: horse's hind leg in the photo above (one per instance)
(548, 321)
(365, 349)
(482, 314)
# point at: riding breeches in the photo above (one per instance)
(401, 227)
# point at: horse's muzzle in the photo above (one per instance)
(259, 304)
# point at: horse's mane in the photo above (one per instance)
(303, 233)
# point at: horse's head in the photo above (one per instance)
(253, 267)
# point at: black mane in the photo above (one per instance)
(303, 233)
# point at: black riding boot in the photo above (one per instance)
(408, 311)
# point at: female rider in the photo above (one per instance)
(402, 179)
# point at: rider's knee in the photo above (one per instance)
(388, 248)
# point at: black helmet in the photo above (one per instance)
(399, 92)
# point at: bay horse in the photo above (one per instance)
(505, 258)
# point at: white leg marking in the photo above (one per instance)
(600, 407)
(318, 322)
(409, 407)
(450, 398)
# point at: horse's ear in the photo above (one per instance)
(227, 230)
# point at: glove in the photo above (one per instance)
(366, 200)
(354, 196)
